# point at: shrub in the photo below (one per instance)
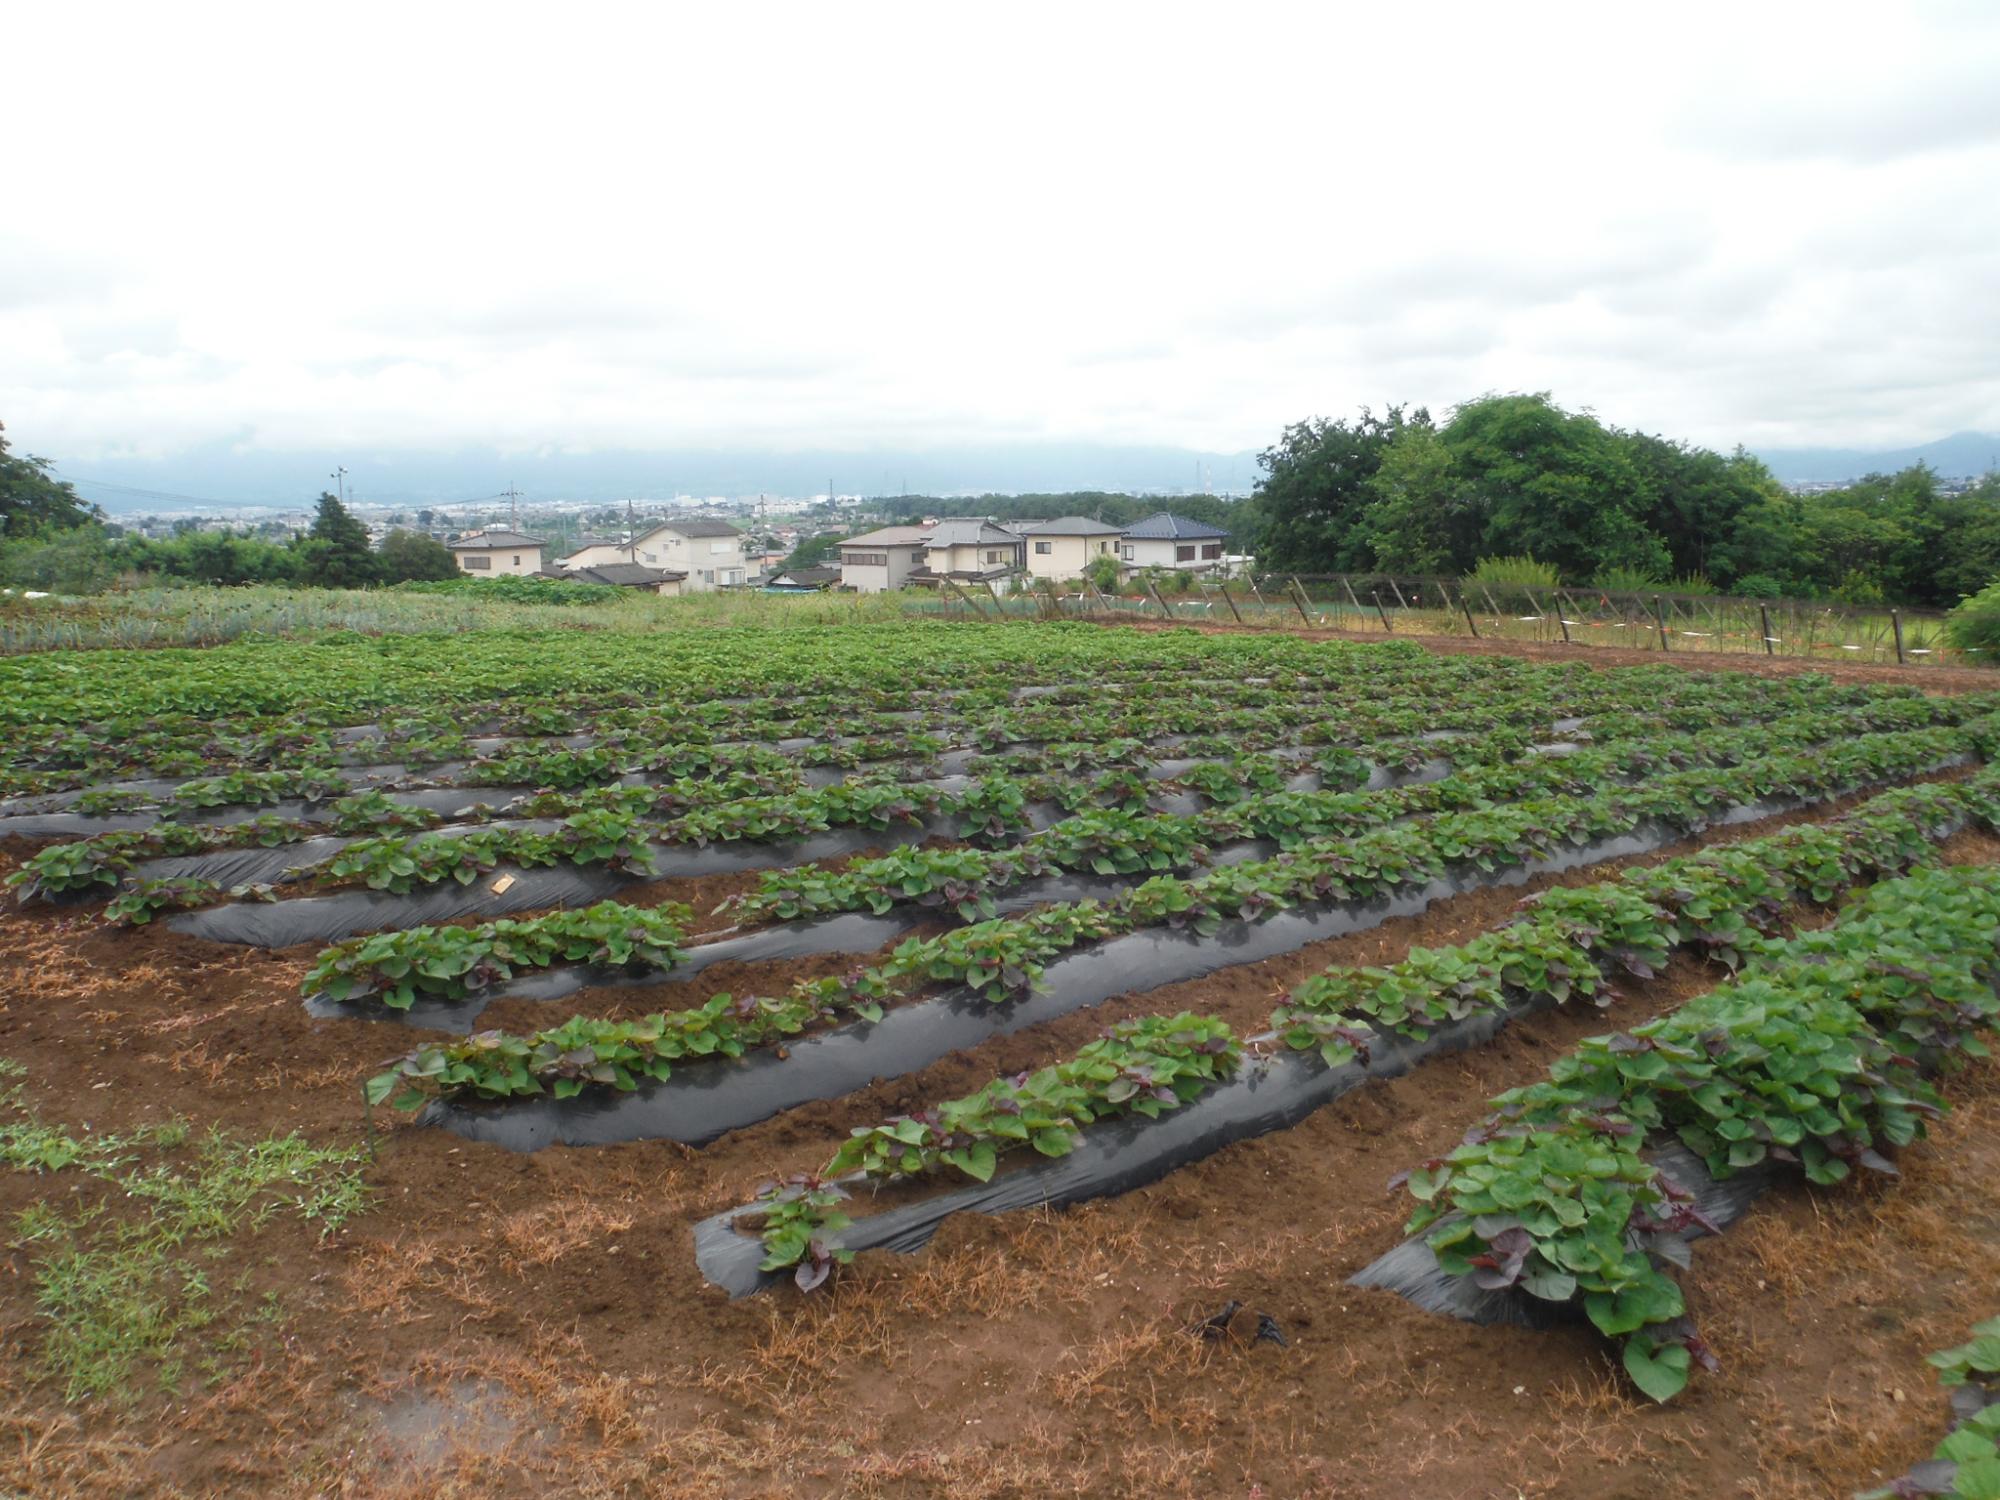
(1858, 588)
(1975, 624)
(1626, 581)
(1758, 586)
(1514, 572)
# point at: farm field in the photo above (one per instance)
(977, 1059)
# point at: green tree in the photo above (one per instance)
(33, 500)
(1313, 499)
(815, 550)
(60, 560)
(1556, 485)
(1102, 570)
(335, 553)
(1420, 519)
(1694, 497)
(410, 557)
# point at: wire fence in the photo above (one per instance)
(1394, 604)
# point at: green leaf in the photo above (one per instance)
(1661, 1373)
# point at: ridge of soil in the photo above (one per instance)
(526, 1325)
(1940, 680)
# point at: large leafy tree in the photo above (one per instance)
(1696, 498)
(1314, 497)
(335, 553)
(32, 499)
(1422, 518)
(1556, 485)
(409, 556)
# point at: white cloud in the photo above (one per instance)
(644, 227)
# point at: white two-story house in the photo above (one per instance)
(1063, 548)
(1174, 544)
(880, 560)
(709, 552)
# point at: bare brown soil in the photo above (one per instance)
(510, 1325)
(1930, 679)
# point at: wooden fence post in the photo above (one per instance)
(1770, 641)
(1559, 614)
(1467, 607)
(1299, 599)
(1376, 595)
(1660, 610)
(1896, 623)
(970, 603)
(1352, 597)
(1154, 589)
(1224, 586)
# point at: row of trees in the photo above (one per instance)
(1518, 475)
(75, 552)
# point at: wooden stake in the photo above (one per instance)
(1299, 599)
(1376, 595)
(1896, 622)
(1462, 604)
(1154, 589)
(1224, 586)
(1770, 645)
(1350, 594)
(1661, 610)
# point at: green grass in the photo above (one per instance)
(199, 616)
(122, 1294)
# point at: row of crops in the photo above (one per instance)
(997, 827)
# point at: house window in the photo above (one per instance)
(716, 547)
(477, 562)
(1043, 549)
(1211, 550)
(865, 559)
(517, 559)
(1104, 548)
(708, 575)
(1184, 554)
(993, 557)
(1126, 553)
(650, 556)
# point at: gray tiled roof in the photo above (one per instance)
(1165, 526)
(624, 575)
(696, 526)
(478, 539)
(1071, 526)
(962, 533)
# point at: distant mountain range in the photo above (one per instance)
(224, 478)
(1963, 453)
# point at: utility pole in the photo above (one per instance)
(339, 477)
(514, 505)
(631, 532)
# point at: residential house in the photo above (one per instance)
(970, 549)
(491, 553)
(625, 575)
(1064, 548)
(1172, 543)
(594, 550)
(880, 560)
(708, 553)
(804, 578)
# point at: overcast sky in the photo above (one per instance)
(857, 226)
